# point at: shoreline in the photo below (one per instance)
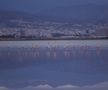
(24, 39)
(54, 43)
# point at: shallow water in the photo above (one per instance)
(52, 43)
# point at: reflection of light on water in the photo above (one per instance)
(66, 53)
(98, 50)
(48, 54)
(55, 54)
(37, 54)
(8, 53)
(85, 50)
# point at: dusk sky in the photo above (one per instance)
(53, 44)
(37, 5)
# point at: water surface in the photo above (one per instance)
(75, 62)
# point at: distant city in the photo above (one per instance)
(18, 28)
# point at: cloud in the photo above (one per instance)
(3, 88)
(67, 87)
(104, 84)
(44, 86)
(40, 87)
(100, 86)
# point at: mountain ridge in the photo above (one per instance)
(84, 13)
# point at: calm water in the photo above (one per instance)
(31, 63)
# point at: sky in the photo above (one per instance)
(37, 5)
